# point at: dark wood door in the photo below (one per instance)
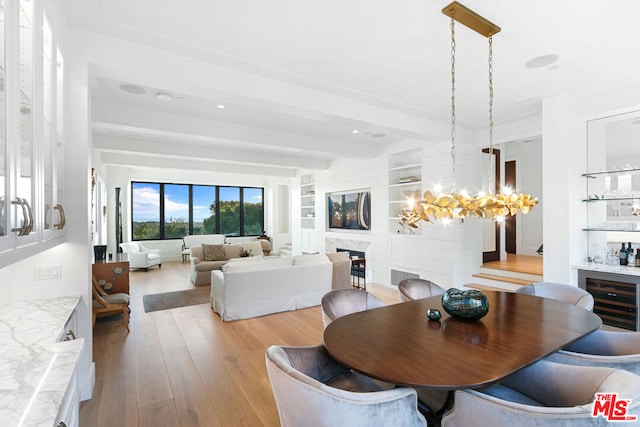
(510, 221)
(495, 254)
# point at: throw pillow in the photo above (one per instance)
(214, 252)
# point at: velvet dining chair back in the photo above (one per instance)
(544, 394)
(414, 288)
(312, 389)
(560, 292)
(340, 302)
(613, 349)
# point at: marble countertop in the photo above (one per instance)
(35, 365)
(605, 268)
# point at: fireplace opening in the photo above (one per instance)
(357, 269)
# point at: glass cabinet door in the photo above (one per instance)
(5, 202)
(58, 131)
(23, 219)
(47, 140)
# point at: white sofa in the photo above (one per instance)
(142, 257)
(198, 239)
(249, 288)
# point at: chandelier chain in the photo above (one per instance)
(453, 104)
(492, 167)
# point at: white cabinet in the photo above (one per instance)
(31, 208)
(307, 202)
(405, 178)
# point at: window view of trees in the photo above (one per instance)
(253, 211)
(195, 209)
(204, 209)
(230, 211)
(176, 211)
(146, 212)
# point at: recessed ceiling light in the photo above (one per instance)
(222, 107)
(541, 61)
(355, 131)
(136, 90)
(165, 97)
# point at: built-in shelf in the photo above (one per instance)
(607, 199)
(612, 172)
(307, 201)
(611, 230)
(404, 180)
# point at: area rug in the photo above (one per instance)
(167, 300)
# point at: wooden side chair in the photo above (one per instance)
(108, 304)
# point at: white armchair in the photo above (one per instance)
(142, 257)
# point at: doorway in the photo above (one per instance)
(510, 220)
(491, 232)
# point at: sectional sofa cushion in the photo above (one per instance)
(259, 264)
(310, 259)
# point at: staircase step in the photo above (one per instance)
(482, 287)
(512, 274)
(501, 278)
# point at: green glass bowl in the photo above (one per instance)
(466, 305)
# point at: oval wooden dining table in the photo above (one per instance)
(398, 344)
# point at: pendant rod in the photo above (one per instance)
(470, 19)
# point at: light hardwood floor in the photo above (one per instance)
(185, 367)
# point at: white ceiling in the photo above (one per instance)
(297, 76)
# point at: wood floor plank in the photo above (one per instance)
(224, 393)
(153, 383)
(157, 414)
(193, 407)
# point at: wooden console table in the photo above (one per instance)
(113, 274)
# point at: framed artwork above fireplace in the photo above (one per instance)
(349, 210)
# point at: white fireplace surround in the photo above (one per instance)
(355, 245)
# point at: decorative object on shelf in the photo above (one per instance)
(434, 314)
(438, 206)
(467, 305)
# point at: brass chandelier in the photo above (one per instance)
(437, 206)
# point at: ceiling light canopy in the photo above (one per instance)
(541, 61)
(164, 97)
(129, 88)
(438, 206)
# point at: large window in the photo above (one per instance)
(171, 211)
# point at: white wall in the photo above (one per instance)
(528, 158)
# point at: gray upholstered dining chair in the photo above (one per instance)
(545, 393)
(612, 349)
(560, 292)
(413, 289)
(313, 389)
(341, 302)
